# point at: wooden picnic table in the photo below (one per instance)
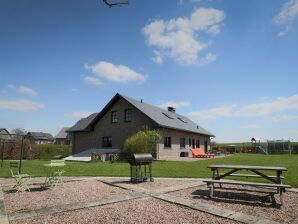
(258, 172)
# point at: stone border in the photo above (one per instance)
(3, 214)
(75, 206)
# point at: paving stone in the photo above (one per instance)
(74, 206)
(3, 215)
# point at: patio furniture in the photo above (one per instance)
(20, 179)
(140, 167)
(54, 173)
(276, 180)
(198, 152)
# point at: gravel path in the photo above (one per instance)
(159, 183)
(70, 192)
(248, 202)
(144, 211)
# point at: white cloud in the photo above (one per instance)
(92, 80)
(178, 38)
(115, 73)
(74, 90)
(286, 16)
(78, 115)
(212, 113)
(263, 109)
(11, 86)
(27, 90)
(158, 57)
(20, 105)
(208, 58)
(175, 104)
(285, 117)
(250, 126)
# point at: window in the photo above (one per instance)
(107, 142)
(114, 117)
(193, 143)
(198, 143)
(127, 115)
(189, 142)
(181, 119)
(167, 115)
(182, 143)
(167, 142)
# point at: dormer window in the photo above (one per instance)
(181, 119)
(167, 115)
(114, 117)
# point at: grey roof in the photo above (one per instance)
(41, 136)
(4, 134)
(166, 118)
(3, 131)
(82, 124)
(62, 133)
(161, 117)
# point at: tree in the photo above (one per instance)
(110, 5)
(144, 141)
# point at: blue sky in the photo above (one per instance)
(231, 66)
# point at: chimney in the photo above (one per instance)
(172, 109)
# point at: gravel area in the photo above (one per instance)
(247, 200)
(70, 192)
(145, 211)
(159, 183)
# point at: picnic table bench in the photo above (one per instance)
(275, 180)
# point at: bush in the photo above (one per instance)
(142, 142)
(51, 151)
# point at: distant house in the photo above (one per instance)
(4, 134)
(62, 138)
(39, 138)
(124, 116)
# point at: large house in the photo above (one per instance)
(40, 138)
(62, 138)
(4, 134)
(124, 116)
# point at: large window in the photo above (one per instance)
(107, 142)
(182, 143)
(167, 142)
(128, 115)
(198, 143)
(114, 117)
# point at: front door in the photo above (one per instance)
(206, 146)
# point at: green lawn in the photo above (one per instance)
(166, 168)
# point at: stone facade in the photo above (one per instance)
(175, 149)
(122, 130)
(119, 131)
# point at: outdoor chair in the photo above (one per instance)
(54, 173)
(20, 179)
(198, 152)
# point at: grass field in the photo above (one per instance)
(166, 168)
